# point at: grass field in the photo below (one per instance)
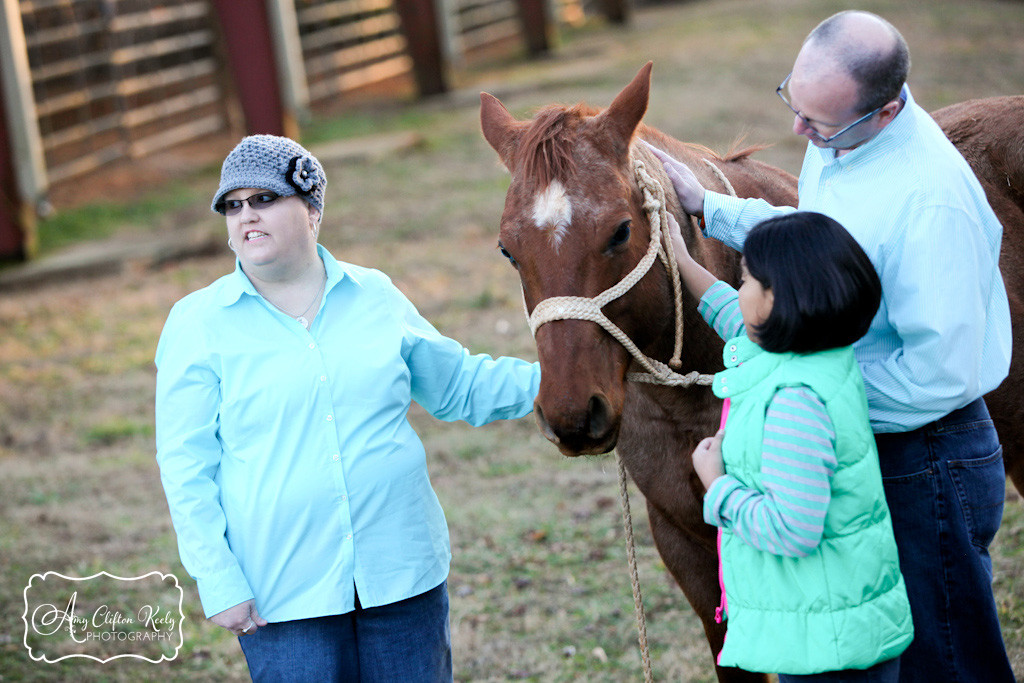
(539, 584)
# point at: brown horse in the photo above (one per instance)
(574, 224)
(990, 134)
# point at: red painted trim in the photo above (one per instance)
(245, 27)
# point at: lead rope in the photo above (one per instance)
(634, 575)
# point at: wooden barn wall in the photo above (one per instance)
(121, 79)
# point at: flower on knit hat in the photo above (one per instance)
(302, 174)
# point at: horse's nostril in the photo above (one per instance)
(598, 423)
(542, 423)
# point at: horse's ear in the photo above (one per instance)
(625, 113)
(501, 130)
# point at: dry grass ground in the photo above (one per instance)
(539, 585)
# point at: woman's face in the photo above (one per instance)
(279, 234)
(755, 301)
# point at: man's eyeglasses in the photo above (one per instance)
(260, 200)
(783, 92)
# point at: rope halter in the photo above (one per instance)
(585, 308)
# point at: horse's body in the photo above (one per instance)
(990, 134)
(574, 225)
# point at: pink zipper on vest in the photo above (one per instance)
(722, 608)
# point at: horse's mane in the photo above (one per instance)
(736, 151)
(545, 151)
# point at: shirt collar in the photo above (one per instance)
(887, 139)
(237, 283)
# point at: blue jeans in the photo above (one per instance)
(945, 487)
(885, 672)
(407, 641)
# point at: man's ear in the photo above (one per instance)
(889, 111)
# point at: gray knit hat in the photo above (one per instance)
(275, 163)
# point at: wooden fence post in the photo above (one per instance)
(617, 11)
(420, 26)
(254, 73)
(17, 218)
(536, 25)
(284, 25)
(23, 181)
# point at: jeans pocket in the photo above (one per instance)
(980, 485)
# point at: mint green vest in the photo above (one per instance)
(845, 605)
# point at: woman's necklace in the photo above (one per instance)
(301, 317)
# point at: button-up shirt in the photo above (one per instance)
(291, 471)
(941, 337)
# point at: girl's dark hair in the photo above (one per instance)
(825, 289)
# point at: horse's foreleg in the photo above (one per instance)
(692, 558)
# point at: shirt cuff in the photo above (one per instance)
(719, 213)
(716, 498)
(223, 590)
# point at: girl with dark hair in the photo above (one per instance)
(811, 585)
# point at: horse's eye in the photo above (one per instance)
(504, 252)
(621, 235)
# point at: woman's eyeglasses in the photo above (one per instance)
(260, 200)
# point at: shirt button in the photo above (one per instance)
(733, 359)
(323, 378)
(312, 345)
(732, 348)
(330, 418)
(348, 536)
(335, 457)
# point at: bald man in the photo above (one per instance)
(877, 163)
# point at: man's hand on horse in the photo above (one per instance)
(687, 187)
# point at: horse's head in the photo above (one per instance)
(574, 225)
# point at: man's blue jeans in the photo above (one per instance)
(407, 641)
(945, 487)
(884, 672)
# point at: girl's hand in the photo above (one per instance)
(241, 620)
(696, 278)
(707, 459)
(679, 248)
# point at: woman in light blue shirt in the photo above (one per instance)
(297, 487)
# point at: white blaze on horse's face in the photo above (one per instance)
(552, 211)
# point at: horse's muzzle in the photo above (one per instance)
(594, 432)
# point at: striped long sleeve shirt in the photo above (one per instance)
(798, 460)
